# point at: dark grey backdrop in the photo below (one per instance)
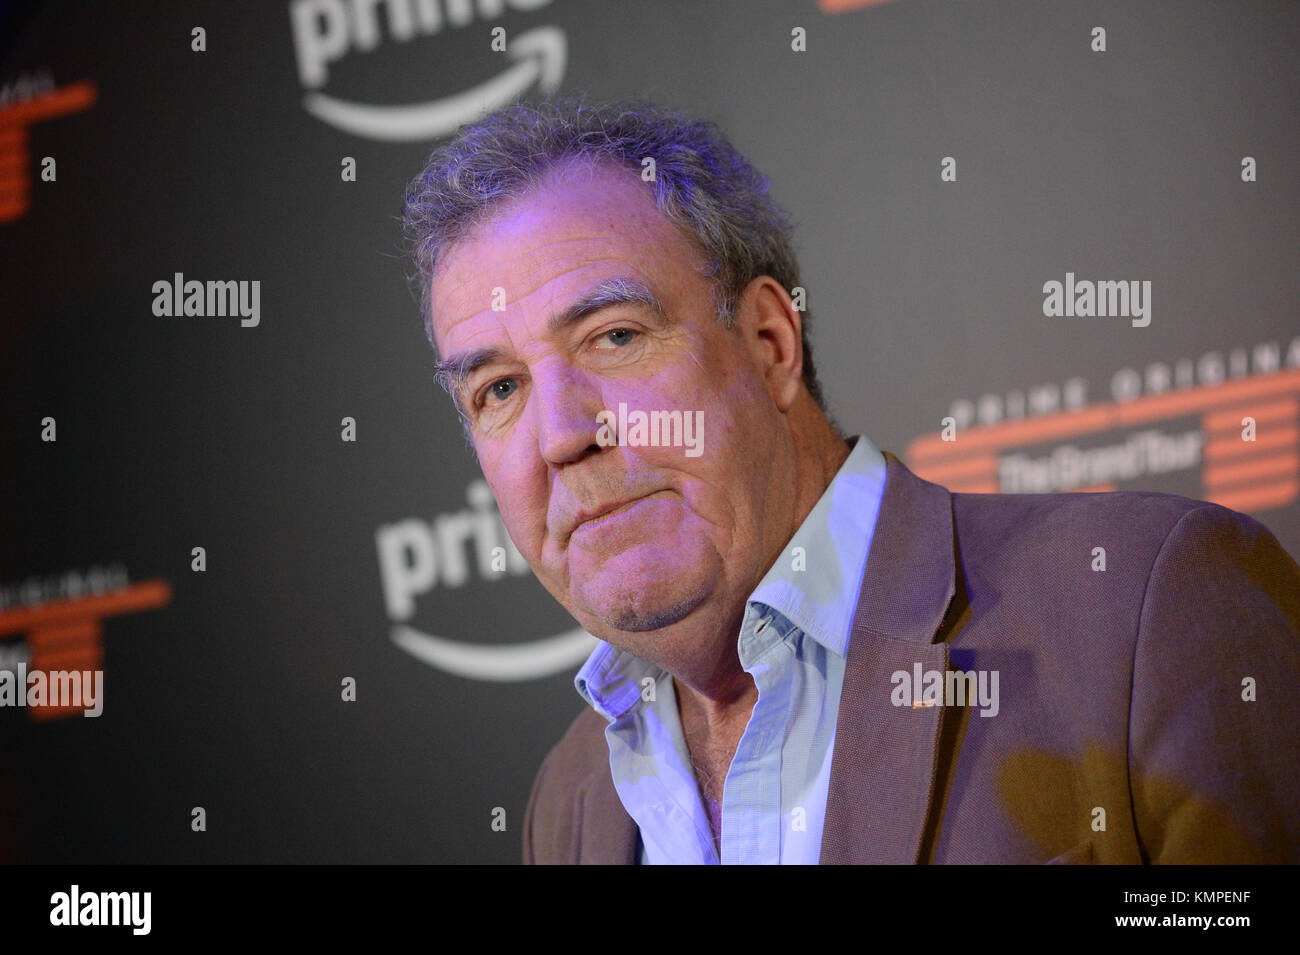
(183, 432)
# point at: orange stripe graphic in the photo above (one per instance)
(145, 595)
(839, 6)
(72, 98)
(1274, 466)
(15, 194)
(1233, 447)
(931, 448)
(1254, 474)
(1230, 419)
(65, 634)
(1258, 498)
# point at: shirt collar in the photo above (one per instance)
(814, 583)
(816, 580)
(610, 680)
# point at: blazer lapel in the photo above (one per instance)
(883, 768)
(608, 835)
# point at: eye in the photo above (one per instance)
(625, 336)
(501, 389)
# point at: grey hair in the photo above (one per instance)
(702, 185)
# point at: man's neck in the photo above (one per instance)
(712, 729)
(715, 713)
(718, 686)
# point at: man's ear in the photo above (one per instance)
(773, 331)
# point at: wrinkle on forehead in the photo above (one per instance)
(478, 239)
(625, 205)
(624, 267)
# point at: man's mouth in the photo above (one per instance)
(609, 513)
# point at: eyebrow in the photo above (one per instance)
(452, 371)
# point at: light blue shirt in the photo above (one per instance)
(793, 640)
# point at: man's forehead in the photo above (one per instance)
(567, 232)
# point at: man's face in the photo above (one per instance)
(690, 538)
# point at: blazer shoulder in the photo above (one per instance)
(1212, 763)
(1022, 521)
(552, 818)
(1215, 552)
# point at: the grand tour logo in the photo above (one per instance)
(1229, 421)
(51, 630)
(27, 101)
(325, 31)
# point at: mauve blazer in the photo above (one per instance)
(1125, 731)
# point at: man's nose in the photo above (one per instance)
(567, 403)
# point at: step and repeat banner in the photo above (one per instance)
(235, 504)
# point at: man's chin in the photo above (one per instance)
(640, 620)
(644, 583)
(628, 611)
